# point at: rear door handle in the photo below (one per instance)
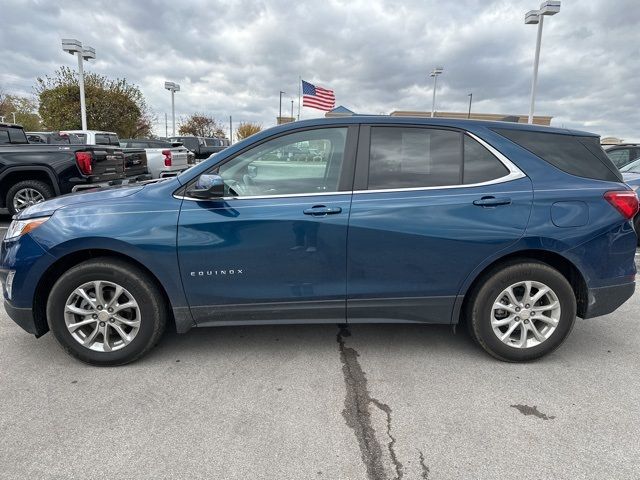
(491, 201)
(321, 210)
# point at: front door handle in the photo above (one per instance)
(491, 201)
(321, 210)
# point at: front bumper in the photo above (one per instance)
(120, 181)
(25, 319)
(604, 300)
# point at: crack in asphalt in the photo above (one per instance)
(357, 414)
(527, 410)
(423, 465)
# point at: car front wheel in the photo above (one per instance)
(522, 311)
(106, 312)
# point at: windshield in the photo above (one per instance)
(633, 167)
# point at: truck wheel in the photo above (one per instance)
(26, 193)
(106, 312)
(521, 311)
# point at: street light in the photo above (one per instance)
(434, 73)
(74, 47)
(533, 17)
(173, 88)
(470, 99)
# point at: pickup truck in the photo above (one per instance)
(202, 147)
(53, 138)
(164, 159)
(30, 174)
(135, 159)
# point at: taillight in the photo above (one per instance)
(625, 201)
(83, 159)
(167, 157)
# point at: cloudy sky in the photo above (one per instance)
(233, 57)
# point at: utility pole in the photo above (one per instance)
(470, 98)
(166, 126)
(230, 130)
(292, 117)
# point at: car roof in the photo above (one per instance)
(428, 121)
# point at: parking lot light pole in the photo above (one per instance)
(536, 17)
(434, 73)
(173, 88)
(470, 99)
(74, 47)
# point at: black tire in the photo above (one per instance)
(153, 311)
(41, 187)
(479, 308)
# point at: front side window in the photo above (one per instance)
(302, 162)
(408, 157)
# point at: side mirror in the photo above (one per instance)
(208, 186)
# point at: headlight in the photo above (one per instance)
(22, 227)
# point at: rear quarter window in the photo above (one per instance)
(578, 155)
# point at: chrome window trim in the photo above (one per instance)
(514, 174)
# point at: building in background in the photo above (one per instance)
(537, 119)
(610, 141)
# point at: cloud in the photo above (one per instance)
(233, 57)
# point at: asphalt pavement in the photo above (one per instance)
(324, 402)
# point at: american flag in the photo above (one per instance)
(317, 97)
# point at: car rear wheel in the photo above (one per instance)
(106, 312)
(26, 193)
(521, 311)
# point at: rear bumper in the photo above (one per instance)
(604, 300)
(120, 181)
(24, 318)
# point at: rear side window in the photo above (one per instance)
(4, 136)
(619, 157)
(480, 165)
(405, 157)
(102, 139)
(577, 155)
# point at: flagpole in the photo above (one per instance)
(299, 86)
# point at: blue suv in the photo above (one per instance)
(512, 229)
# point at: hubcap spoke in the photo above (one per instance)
(548, 320)
(74, 326)
(130, 323)
(78, 310)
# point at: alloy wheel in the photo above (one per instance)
(25, 197)
(525, 314)
(102, 316)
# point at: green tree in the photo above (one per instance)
(112, 105)
(201, 125)
(25, 109)
(246, 129)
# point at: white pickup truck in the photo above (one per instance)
(164, 159)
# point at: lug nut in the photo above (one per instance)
(111, 320)
(517, 309)
(99, 307)
(102, 324)
(94, 316)
(526, 306)
(517, 319)
(526, 321)
(110, 310)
